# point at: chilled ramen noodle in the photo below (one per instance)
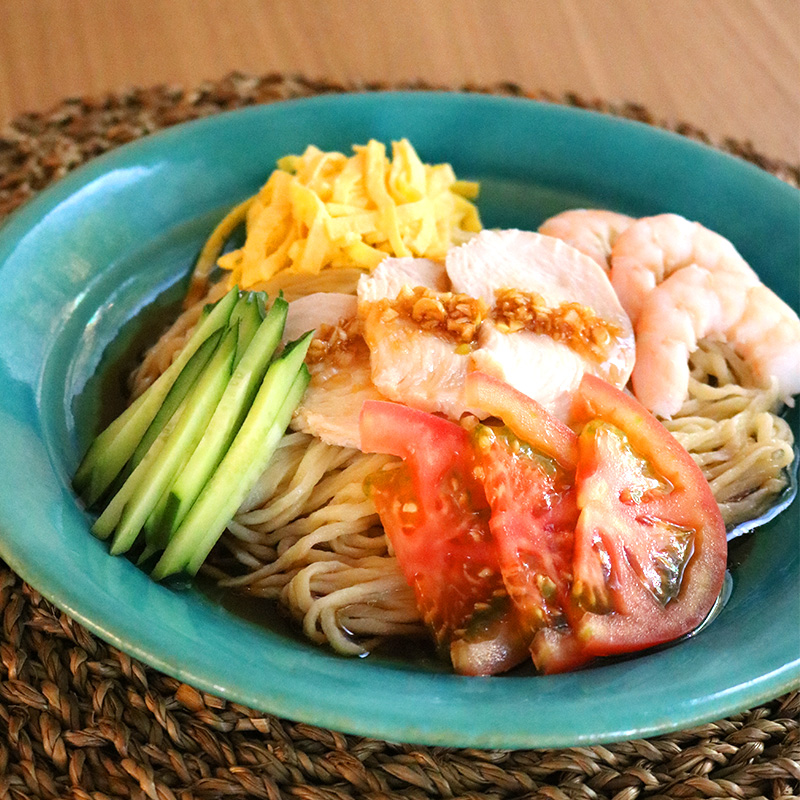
(309, 537)
(730, 426)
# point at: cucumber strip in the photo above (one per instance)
(261, 301)
(104, 525)
(249, 317)
(252, 448)
(134, 472)
(183, 383)
(253, 357)
(268, 446)
(227, 419)
(198, 409)
(112, 448)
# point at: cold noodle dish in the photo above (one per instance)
(524, 445)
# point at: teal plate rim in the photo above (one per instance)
(99, 254)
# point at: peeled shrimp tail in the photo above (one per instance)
(690, 305)
(592, 231)
(653, 248)
(767, 336)
(694, 304)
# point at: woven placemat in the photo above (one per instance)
(80, 719)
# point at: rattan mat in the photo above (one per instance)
(80, 719)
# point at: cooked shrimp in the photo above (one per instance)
(697, 303)
(592, 231)
(651, 249)
(767, 336)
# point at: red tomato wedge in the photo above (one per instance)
(523, 534)
(527, 418)
(650, 543)
(436, 516)
(528, 470)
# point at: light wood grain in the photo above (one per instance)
(731, 67)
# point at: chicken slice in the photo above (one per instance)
(545, 368)
(332, 403)
(410, 364)
(315, 310)
(339, 365)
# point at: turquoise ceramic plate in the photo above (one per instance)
(88, 262)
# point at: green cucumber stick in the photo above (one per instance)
(252, 448)
(183, 383)
(107, 521)
(137, 468)
(247, 315)
(112, 448)
(198, 407)
(204, 538)
(268, 446)
(228, 417)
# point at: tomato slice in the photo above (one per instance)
(527, 418)
(533, 520)
(436, 515)
(534, 513)
(527, 465)
(521, 534)
(650, 543)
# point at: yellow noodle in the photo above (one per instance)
(731, 427)
(308, 537)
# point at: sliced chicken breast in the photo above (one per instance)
(410, 365)
(394, 356)
(315, 310)
(340, 369)
(542, 366)
(332, 403)
(536, 365)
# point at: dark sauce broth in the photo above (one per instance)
(260, 611)
(120, 359)
(411, 652)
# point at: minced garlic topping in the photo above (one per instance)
(575, 325)
(453, 316)
(458, 317)
(336, 345)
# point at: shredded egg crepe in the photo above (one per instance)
(325, 210)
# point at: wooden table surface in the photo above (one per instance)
(730, 67)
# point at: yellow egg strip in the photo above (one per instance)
(324, 210)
